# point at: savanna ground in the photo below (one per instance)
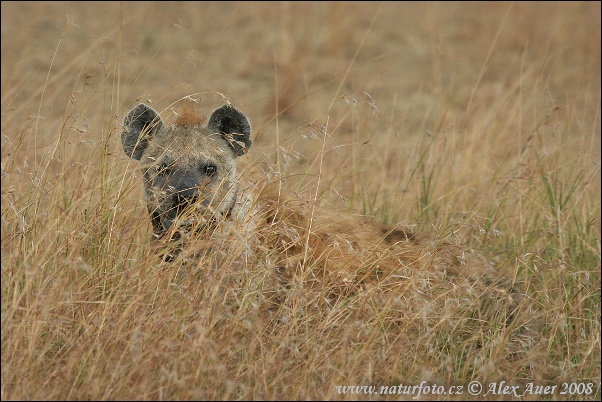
(476, 121)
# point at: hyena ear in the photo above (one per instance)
(233, 126)
(139, 126)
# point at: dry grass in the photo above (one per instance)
(475, 123)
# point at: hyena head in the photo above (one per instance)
(187, 166)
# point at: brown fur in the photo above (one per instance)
(188, 117)
(351, 249)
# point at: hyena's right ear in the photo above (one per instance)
(139, 126)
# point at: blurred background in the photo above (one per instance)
(381, 79)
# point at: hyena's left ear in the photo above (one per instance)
(233, 126)
(140, 125)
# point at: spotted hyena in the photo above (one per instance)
(191, 180)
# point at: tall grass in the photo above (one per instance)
(478, 124)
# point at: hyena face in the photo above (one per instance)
(187, 166)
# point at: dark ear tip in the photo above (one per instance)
(227, 119)
(142, 109)
(139, 108)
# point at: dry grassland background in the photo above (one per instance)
(477, 122)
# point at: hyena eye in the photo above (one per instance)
(163, 168)
(210, 169)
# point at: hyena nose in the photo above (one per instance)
(188, 196)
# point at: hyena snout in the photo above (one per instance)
(186, 204)
(185, 199)
(199, 198)
(186, 196)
